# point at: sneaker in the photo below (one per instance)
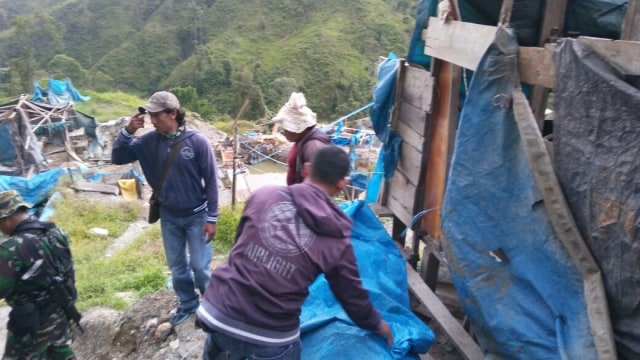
(181, 315)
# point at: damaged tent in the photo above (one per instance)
(30, 132)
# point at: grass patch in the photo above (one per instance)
(226, 231)
(136, 270)
(106, 106)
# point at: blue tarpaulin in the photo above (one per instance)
(380, 114)
(34, 190)
(327, 331)
(520, 288)
(596, 136)
(57, 92)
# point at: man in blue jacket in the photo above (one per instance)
(188, 196)
(287, 236)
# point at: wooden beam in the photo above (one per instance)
(551, 29)
(505, 12)
(457, 42)
(535, 66)
(631, 25)
(448, 42)
(460, 338)
(623, 54)
(444, 122)
(552, 21)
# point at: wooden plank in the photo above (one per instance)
(551, 29)
(409, 135)
(631, 25)
(460, 338)
(417, 87)
(443, 119)
(412, 116)
(505, 12)
(409, 163)
(457, 42)
(464, 44)
(379, 210)
(624, 54)
(535, 65)
(400, 197)
(399, 210)
(95, 187)
(552, 21)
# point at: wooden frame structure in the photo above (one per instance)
(33, 117)
(426, 113)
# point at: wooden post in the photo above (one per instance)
(551, 29)
(505, 12)
(631, 25)
(444, 119)
(235, 153)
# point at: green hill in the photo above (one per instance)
(227, 50)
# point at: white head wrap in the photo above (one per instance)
(295, 116)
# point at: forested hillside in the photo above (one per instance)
(220, 52)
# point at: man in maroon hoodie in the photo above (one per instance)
(287, 236)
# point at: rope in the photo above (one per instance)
(350, 114)
(269, 156)
(415, 219)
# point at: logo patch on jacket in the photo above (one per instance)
(187, 153)
(283, 232)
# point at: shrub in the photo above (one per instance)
(226, 231)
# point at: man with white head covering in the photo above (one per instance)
(298, 124)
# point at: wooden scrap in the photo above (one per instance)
(95, 187)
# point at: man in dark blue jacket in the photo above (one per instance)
(287, 236)
(188, 197)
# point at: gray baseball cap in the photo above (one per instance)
(161, 100)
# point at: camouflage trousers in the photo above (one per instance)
(51, 342)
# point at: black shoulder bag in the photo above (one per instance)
(154, 205)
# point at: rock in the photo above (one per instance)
(174, 344)
(143, 332)
(100, 325)
(162, 333)
(99, 231)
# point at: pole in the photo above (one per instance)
(235, 153)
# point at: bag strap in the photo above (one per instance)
(167, 165)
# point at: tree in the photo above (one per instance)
(190, 100)
(62, 66)
(243, 88)
(22, 72)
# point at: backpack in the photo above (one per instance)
(56, 265)
(52, 269)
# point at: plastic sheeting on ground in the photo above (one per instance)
(34, 190)
(327, 331)
(518, 285)
(596, 140)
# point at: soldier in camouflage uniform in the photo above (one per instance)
(40, 328)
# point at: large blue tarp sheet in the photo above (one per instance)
(34, 190)
(380, 114)
(518, 285)
(596, 136)
(327, 331)
(57, 92)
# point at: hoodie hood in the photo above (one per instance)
(319, 212)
